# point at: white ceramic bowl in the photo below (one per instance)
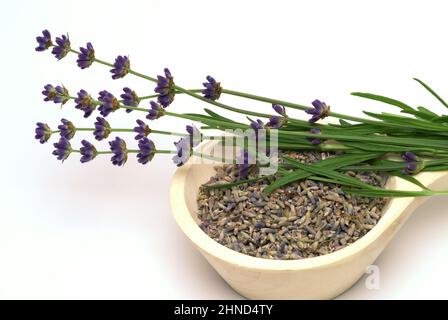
(322, 277)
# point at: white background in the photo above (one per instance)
(96, 231)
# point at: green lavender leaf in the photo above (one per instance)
(385, 193)
(329, 173)
(386, 100)
(409, 178)
(416, 123)
(332, 162)
(432, 92)
(428, 113)
(217, 116)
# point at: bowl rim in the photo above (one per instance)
(393, 210)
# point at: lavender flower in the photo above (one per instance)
(165, 88)
(118, 148)
(62, 47)
(320, 111)
(409, 156)
(413, 165)
(102, 129)
(121, 67)
(142, 130)
(43, 132)
(195, 135)
(147, 150)
(108, 103)
(256, 125)
(314, 141)
(67, 129)
(212, 89)
(155, 112)
(44, 42)
(183, 148)
(130, 98)
(88, 151)
(279, 109)
(63, 149)
(85, 102)
(86, 56)
(275, 122)
(58, 94)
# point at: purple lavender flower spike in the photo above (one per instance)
(86, 56)
(49, 92)
(155, 112)
(413, 165)
(62, 95)
(43, 132)
(320, 111)
(314, 141)
(85, 102)
(44, 41)
(183, 148)
(165, 88)
(279, 109)
(62, 149)
(58, 94)
(256, 125)
(130, 98)
(88, 151)
(108, 103)
(118, 147)
(62, 47)
(142, 130)
(195, 135)
(67, 129)
(409, 156)
(274, 122)
(147, 150)
(102, 129)
(121, 67)
(212, 89)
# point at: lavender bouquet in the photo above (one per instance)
(394, 144)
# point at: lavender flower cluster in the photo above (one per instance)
(106, 103)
